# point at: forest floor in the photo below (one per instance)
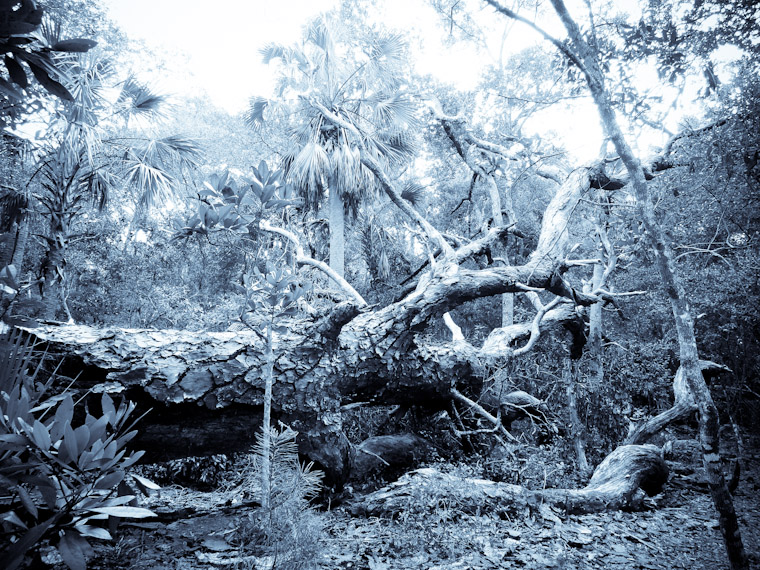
(678, 529)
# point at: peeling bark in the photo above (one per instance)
(614, 485)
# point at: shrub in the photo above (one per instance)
(289, 531)
(59, 481)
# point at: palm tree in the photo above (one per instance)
(78, 166)
(362, 83)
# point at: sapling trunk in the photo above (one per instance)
(266, 440)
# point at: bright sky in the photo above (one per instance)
(216, 50)
(221, 45)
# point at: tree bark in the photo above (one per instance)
(614, 485)
(570, 374)
(337, 232)
(586, 58)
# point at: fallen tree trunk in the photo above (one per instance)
(614, 485)
(348, 354)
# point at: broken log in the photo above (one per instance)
(616, 484)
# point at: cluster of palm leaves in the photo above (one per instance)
(91, 150)
(361, 83)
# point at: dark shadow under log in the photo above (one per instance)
(388, 454)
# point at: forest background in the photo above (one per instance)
(122, 206)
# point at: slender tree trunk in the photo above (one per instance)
(507, 299)
(266, 438)
(586, 56)
(570, 375)
(594, 344)
(337, 232)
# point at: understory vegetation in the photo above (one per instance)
(380, 319)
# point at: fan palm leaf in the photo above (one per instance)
(155, 184)
(309, 170)
(138, 99)
(395, 112)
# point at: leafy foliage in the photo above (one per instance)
(289, 530)
(59, 480)
(23, 49)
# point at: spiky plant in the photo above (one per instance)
(289, 532)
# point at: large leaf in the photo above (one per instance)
(125, 512)
(51, 85)
(93, 531)
(72, 546)
(14, 556)
(9, 91)
(16, 72)
(77, 45)
(27, 501)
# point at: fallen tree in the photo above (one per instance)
(206, 390)
(352, 353)
(616, 484)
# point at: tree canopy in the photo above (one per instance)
(568, 235)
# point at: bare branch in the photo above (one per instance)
(303, 259)
(456, 330)
(482, 412)
(535, 327)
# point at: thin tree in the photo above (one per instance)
(586, 58)
(361, 85)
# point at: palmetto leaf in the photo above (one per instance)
(254, 117)
(394, 112)
(154, 184)
(98, 185)
(394, 149)
(178, 148)
(308, 171)
(413, 193)
(273, 51)
(137, 98)
(320, 34)
(390, 47)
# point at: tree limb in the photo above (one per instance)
(303, 259)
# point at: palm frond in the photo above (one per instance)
(395, 149)
(254, 116)
(183, 149)
(273, 51)
(155, 185)
(50, 31)
(308, 171)
(320, 34)
(394, 112)
(138, 99)
(13, 205)
(413, 193)
(389, 48)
